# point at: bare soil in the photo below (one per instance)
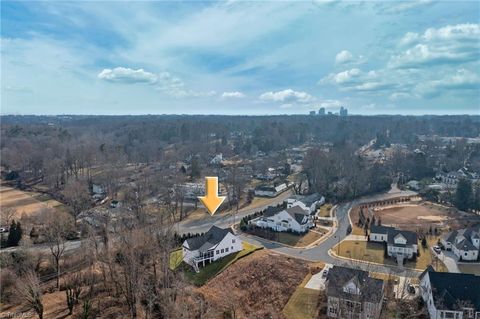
(257, 286)
(419, 216)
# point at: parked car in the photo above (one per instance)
(437, 249)
(325, 273)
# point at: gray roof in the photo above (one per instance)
(380, 229)
(272, 210)
(410, 236)
(453, 291)
(371, 289)
(208, 240)
(310, 199)
(465, 245)
(297, 213)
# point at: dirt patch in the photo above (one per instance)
(418, 216)
(257, 286)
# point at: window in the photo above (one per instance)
(233, 241)
(218, 251)
(231, 247)
(226, 250)
(222, 250)
(466, 253)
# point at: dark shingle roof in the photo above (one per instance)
(465, 245)
(208, 240)
(297, 213)
(410, 236)
(454, 291)
(272, 210)
(371, 289)
(310, 199)
(380, 229)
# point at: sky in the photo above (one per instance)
(238, 57)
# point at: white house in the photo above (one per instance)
(400, 243)
(464, 243)
(308, 203)
(379, 233)
(290, 219)
(211, 246)
(450, 295)
(270, 190)
(352, 293)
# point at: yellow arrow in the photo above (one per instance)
(211, 200)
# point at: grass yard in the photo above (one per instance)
(213, 269)
(374, 252)
(304, 302)
(290, 238)
(470, 268)
(176, 258)
(325, 210)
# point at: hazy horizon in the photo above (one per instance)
(234, 58)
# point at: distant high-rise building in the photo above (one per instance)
(343, 111)
(330, 113)
(312, 112)
(321, 111)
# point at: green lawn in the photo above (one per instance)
(213, 269)
(374, 252)
(304, 302)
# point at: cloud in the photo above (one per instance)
(452, 44)
(328, 104)
(127, 75)
(234, 94)
(348, 76)
(463, 80)
(287, 96)
(346, 57)
(402, 6)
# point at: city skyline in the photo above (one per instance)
(237, 57)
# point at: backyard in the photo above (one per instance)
(210, 270)
(374, 252)
(290, 239)
(304, 302)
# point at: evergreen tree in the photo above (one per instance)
(463, 195)
(14, 234)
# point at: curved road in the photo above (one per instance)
(320, 252)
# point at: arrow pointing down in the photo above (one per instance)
(211, 200)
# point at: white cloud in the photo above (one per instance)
(287, 96)
(127, 75)
(452, 44)
(347, 76)
(328, 104)
(401, 6)
(343, 57)
(346, 57)
(234, 94)
(463, 80)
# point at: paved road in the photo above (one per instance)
(321, 251)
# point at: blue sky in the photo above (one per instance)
(236, 57)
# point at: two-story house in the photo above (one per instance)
(353, 294)
(293, 219)
(401, 244)
(216, 243)
(450, 295)
(309, 203)
(464, 243)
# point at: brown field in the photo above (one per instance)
(26, 203)
(257, 286)
(418, 216)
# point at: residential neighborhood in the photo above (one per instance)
(240, 159)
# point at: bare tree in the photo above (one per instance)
(55, 232)
(29, 290)
(77, 196)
